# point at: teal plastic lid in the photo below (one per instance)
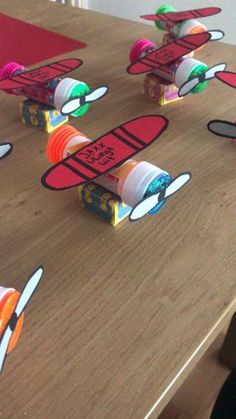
(164, 8)
(201, 68)
(157, 185)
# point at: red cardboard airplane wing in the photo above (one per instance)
(168, 53)
(228, 77)
(105, 153)
(40, 75)
(185, 15)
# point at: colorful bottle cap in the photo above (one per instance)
(80, 89)
(140, 48)
(189, 27)
(9, 70)
(164, 8)
(57, 141)
(8, 301)
(137, 182)
(62, 91)
(3, 292)
(184, 70)
(189, 68)
(64, 141)
(200, 69)
(157, 185)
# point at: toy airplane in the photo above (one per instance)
(40, 76)
(108, 152)
(170, 53)
(14, 320)
(224, 128)
(5, 150)
(172, 18)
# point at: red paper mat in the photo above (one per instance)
(29, 44)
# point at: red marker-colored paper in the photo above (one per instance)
(168, 53)
(181, 16)
(41, 75)
(105, 153)
(228, 77)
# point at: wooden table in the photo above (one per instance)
(122, 314)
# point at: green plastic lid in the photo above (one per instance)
(201, 68)
(164, 8)
(79, 90)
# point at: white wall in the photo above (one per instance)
(132, 9)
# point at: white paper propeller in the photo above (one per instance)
(216, 34)
(147, 204)
(26, 295)
(208, 75)
(5, 149)
(222, 128)
(74, 103)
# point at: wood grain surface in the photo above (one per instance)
(122, 314)
(197, 395)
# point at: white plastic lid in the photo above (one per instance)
(137, 182)
(78, 139)
(62, 91)
(184, 70)
(4, 291)
(185, 27)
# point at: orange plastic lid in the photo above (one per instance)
(7, 306)
(198, 29)
(58, 141)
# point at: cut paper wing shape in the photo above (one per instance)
(147, 204)
(222, 128)
(23, 301)
(216, 34)
(168, 53)
(105, 153)
(208, 75)
(40, 75)
(5, 150)
(185, 15)
(74, 103)
(228, 77)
